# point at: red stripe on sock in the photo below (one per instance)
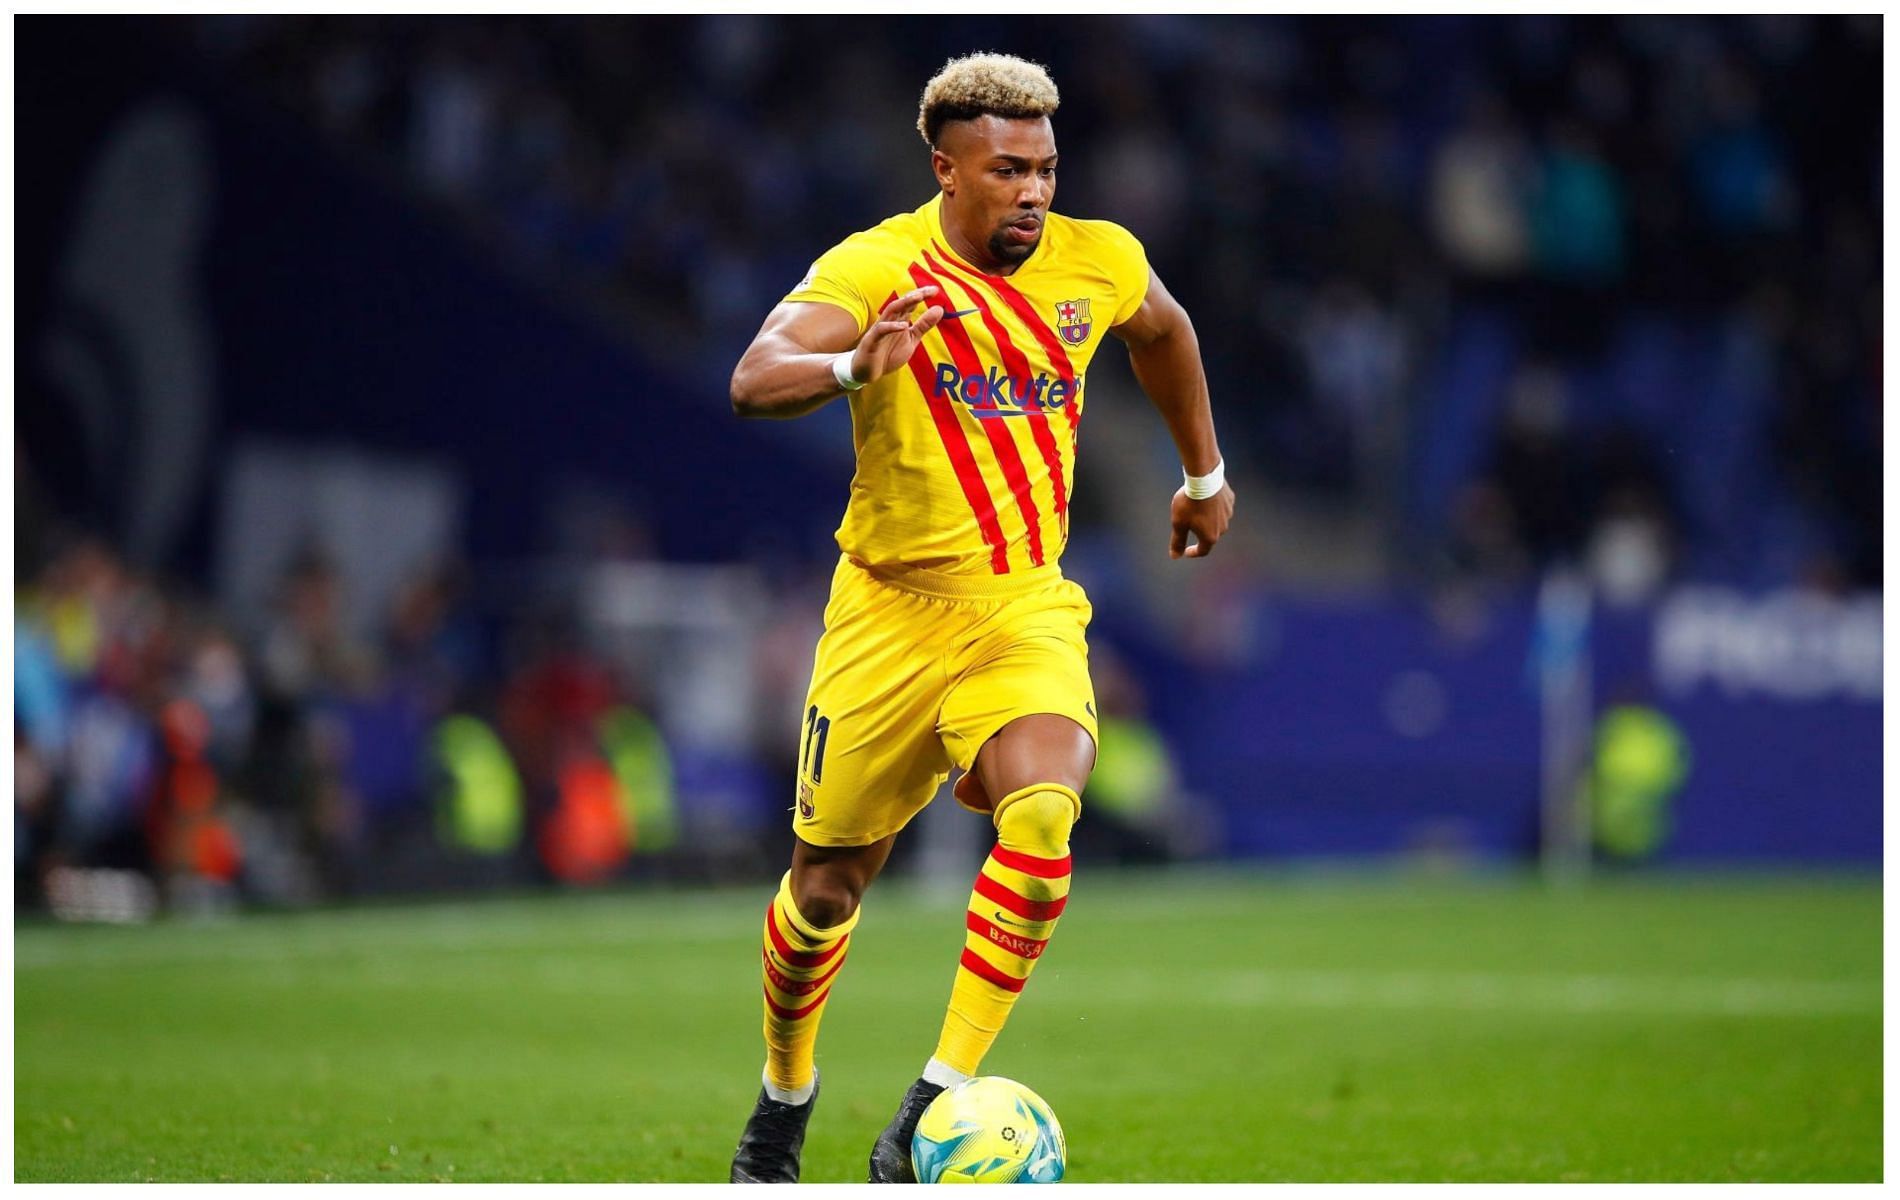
(1022, 906)
(1029, 864)
(794, 1014)
(976, 965)
(1028, 949)
(797, 958)
(796, 987)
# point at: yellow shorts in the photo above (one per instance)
(912, 678)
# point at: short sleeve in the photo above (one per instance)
(1128, 267)
(838, 279)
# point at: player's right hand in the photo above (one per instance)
(893, 337)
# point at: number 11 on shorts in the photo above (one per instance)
(817, 728)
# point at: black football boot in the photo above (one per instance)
(769, 1147)
(890, 1157)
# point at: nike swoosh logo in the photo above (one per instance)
(951, 316)
(1010, 921)
(1090, 705)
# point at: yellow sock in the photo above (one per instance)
(801, 961)
(1019, 895)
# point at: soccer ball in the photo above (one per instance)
(988, 1130)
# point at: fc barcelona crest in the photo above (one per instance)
(1072, 321)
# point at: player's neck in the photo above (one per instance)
(974, 253)
(978, 257)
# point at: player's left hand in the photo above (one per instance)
(1205, 519)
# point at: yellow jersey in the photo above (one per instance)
(966, 455)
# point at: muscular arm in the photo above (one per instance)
(1166, 357)
(786, 371)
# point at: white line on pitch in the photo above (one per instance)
(1461, 991)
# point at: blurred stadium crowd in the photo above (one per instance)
(1516, 291)
(1664, 231)
(281, 762)
(296, 760)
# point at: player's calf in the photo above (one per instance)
(1019, 895)
(799, 961)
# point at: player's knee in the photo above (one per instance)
(1037, 820)
(824, 903)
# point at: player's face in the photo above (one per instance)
(998, 177)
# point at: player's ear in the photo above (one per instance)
(945, 170)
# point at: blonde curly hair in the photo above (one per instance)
(999, 85)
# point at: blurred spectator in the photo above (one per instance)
(1138, 811)
(1639, 762)
(1485, 547)
(1356, 360)
(433, 645)
(1480, 188)
(194, 850)
(1538, 466)
(306, 651)
(1577, 239)
(1734, 163)
(452, 104)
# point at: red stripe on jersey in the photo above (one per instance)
(797, 987)
(1022, 906)
(1001, 440)
(1017, 364)
(1045, 336)
(969, 475)
(793, 1014)
(1028, 949)
(797, 958)
(979, 966)
(1029, 864)
(962, 461)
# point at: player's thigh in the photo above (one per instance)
(1035, 663)
(869, 758)
(1036, 749)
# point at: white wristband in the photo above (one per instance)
(841, 371)
(1200, 487)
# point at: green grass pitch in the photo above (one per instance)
(1204, 1026)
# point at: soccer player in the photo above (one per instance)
(962, 333)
